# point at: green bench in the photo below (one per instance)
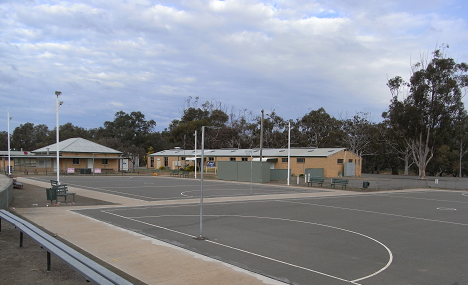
(184, 173)
(54, 183)
(342, 182)
(58, 190)
(175, 172)
(318, 180)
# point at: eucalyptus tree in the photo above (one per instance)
(424, 117)
(3, 140)
(275, 131)
(460, 139)
(133, 131)
(319, 129)
(245, 131)
(193, 118)
(397, 146)
(378, 155)
(358, 132)
(29, 137)
(68, 131)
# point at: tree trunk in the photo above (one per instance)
(407, 157)
(461, 157)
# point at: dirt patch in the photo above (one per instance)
(28, 264)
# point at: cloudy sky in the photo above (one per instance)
(291, 56)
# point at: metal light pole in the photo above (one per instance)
(57, 104)
(195, 154)
(8, 134)
(201, 179)
(289, 152)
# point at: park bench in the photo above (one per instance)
(175, 172)
(184, 173)
(58, 190)
(317, 180)
(342, 182)
(62, 190)
(55, 183)
(16, 184)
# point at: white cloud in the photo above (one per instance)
(150, 56)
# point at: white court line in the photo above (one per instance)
(427, 199)
(244, 192)
(390, 260)
(122, 194)
(373, 212)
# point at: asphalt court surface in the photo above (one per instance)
(409, 237)
(156, 188)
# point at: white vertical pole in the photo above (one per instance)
(201, 181)
(57, 104)
(195, 154)
(251, 169)
(8, 134)
(289, 152)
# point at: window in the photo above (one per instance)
(152, 161)
(339, 161)
(350, 160)
(182, 158)
(232, 159)
(300, 160)
(284, 159)
(166, 161)
(210, 158)
(76, 161)
(245, 159)
(105, 161)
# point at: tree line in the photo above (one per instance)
(423, 131)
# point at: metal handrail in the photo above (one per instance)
(88, 268)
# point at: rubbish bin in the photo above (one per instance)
(85, 171)
(51, 194)
(365, 184)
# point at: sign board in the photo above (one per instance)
(210, 164)
(71, 170)
(97, 170)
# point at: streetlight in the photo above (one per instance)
(8, 134)
(195, 135)
(57, 105)
(200, 237)
(289, 151)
